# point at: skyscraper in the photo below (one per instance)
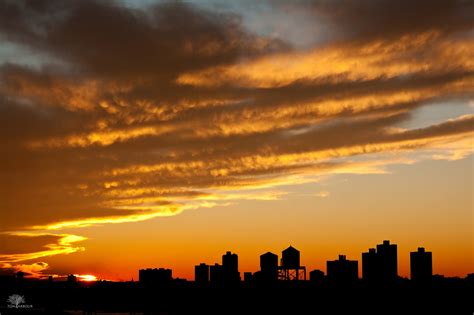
(230, 268)
(387, 254)
(215, 275)
(380, 266)
(201, 274)
(370, 266)
(421, 266)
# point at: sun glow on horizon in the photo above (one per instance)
(86, 278)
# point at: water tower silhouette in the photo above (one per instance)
(290, 268)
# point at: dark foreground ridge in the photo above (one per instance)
(275, 289)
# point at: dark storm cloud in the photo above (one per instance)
(105, 39)
(368, 19)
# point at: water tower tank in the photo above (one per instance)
(290, 258)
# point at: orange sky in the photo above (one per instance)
(163, 134)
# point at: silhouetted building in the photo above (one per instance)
(155, 276)
(201, 274)
(230, 262)
(268, 267)
(379, 266)
(342, 271)
(230, 269)
(370, 266)
(421, 266)
(388, 261)
(215, 273)
(316, 277)
(290, 268)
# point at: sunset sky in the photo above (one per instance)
(142, 134)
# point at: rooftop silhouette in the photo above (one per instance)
(291, 268)
(342, 272)
(380, 265)
(421, 266)
(221, 284)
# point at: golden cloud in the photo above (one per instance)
(368, 61)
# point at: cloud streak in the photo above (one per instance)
(30, 246)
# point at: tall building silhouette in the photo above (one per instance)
(421, 266)
(342, 271)
(230, 269)
(215, 275)
(388, 261)
(370, 266)
(201, 274)
(380, 266)
(269, 267)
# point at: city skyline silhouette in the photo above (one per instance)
(378, 266)
(217, 286)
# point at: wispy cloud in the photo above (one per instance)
(63, 244)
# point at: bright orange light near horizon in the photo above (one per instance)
(87, 278)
